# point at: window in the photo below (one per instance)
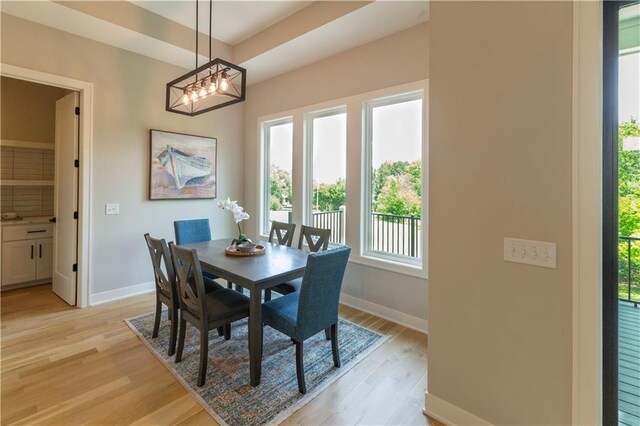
(377, 140)
(278, 153)
(392, 222)
(327, 142)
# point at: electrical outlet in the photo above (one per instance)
(112, 208)
(537, 253)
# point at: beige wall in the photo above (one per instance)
(500, 155)
(390, 61)
(28, 110)
(128, 101)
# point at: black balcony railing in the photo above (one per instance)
(629, 269)
(333, 220)
(390, 233)
(396, 234)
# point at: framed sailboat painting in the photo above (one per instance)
(182, 166)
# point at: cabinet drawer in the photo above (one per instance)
(27, 232)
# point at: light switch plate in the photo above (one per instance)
(112, 208)
(537, 253)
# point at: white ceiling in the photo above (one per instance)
(377, 20)
(233, 21)
(353, 28)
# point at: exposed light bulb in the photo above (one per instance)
(212, 85)
(194, 96)
(203, 92)
(185, 98)
(224, 84)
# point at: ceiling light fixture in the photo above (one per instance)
(214, 85)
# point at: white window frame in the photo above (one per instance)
(366, 191)
(265, 193)
(355, 139)
(309, 144)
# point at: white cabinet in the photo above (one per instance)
(27, 253)
(18, 262)
(44, 258)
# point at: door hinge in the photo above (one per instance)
(76, 163)
(77, 110)
(75, 215)
(74, 268)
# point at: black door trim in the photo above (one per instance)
(610, 211)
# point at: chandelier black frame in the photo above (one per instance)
(214, 85)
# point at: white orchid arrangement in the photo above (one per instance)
(238, 211)
(238, 215)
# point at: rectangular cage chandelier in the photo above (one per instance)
(214, 85)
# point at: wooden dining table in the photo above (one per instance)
(255, 273)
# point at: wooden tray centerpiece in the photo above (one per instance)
(245, 249)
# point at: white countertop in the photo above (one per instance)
(26, 221)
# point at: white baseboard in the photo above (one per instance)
(449, 414)
(398, 317)
(392, 315)
(121, 293)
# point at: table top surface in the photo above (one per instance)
(277, 262)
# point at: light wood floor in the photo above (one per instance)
(68, 366)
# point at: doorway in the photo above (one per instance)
(39, 148)
(621, 213)
(85, 140)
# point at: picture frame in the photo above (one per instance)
(182, 166)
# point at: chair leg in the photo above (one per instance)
(174, 331)
(156, 324)
(183, 327)
(204, 352)
(327, 333)
(334, 345)
(169, 315)
(267, 295)
(300, 367)
(227, 331)
(220, 331)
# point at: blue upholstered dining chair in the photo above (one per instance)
(194, 231)
(314, 308)
(317, 239)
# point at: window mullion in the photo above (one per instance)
(354, 176)
(298, 169)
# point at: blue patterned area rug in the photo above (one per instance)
(227, 394)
